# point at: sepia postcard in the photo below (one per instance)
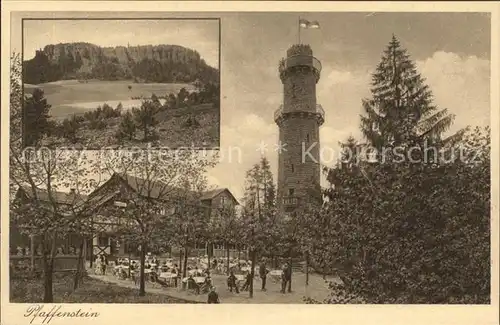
(112, 83)
(298, 162)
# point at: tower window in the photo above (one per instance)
(291, 191)
(293, 168)
(307, 137)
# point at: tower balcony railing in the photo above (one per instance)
(290, 201)
(319, 111)
(299, 60)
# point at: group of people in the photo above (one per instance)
(101, 262)
(286, 277)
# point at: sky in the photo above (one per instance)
(451, 51)
(199, 35)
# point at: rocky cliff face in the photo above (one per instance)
(159, 63)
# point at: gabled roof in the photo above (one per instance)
(211, 194)
(152, 189)
(58, 196)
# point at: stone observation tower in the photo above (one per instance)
(298, 119)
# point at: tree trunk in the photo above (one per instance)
(252, 272)
(227, 251)
(184, 270)
(208, 255)
(48, 269)
(142, 280)
(239, 254)
(92, 251)
(47, 284)
(32, 249)
(129, 261)
(180, 260)
(291, 269)
(80, 261)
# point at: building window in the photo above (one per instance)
(103, 240)
(293, 169)
(291, 191)
(222, 200)
(307, 138)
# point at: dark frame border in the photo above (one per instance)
(128, 18)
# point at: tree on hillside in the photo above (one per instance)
(127, 127)
(119, 108)
(156, 102)
(171, 102)
(182, 97)
(36, 116)
(70, 127)
(145, 119)
(400, 112)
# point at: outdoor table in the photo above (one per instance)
(197, 279)
(193, 272)
(275, 275)
(167, 275)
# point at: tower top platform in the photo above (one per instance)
(299, 49)
(299, 55)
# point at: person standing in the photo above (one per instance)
(248, 279)
(104, 263)
(231, 282)
(285, 277)
(263, 273)
(213, 296)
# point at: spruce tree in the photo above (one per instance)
(145, 119)
(400, 111)
(259, 212)
(127, 127)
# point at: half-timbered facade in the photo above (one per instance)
(116, 193)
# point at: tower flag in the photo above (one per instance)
(304, 23)
(308, 24)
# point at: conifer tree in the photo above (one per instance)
(127, 128)
(145, 119)
(400, 111)
(259, 217)
(36, 116)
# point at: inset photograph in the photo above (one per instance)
(121, 83)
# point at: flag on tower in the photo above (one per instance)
(308, 24)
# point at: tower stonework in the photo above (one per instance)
(298, 119)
